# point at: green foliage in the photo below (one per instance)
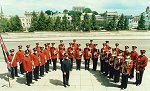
(126, 23)
(49, 24)
(120, 25)
(65, 11)
(87, 10)
(57, 24)
(76, 20)
(15, 24)
(86, 23)
(65, 24)
(34, 21)
(41, 23)
(49, 12)
(141, 23)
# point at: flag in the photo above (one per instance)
(5, 53)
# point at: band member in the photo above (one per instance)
(42, 59)
(47, 54)
(66, 67)
(126, 69)
(38, 48)
(102, 58)
(54, 53)
(28, 67)
(107, 58)
(61, 52)
(107, 46)
(28, 48)
(95, 54)
(13, 64)
(36, 64)
(126, 51)
(74, 45)
(70, 54)
(117, 66)
(140, 67)
(87, 56)
(78, 57)
(117, 49)
(61, 45)
(91, 44)
(20, 56)
(134, 57)
(111, 63)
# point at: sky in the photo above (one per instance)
(127, 7)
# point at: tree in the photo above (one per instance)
(94, 12)
(76, 20)
(49, 12)
(87, 10)
(65, 23)
(86, 23)
(57, 25)
(65, 11)
(49, 24)
(34, 21)
(126, 23)
(120, 25)
(41, 22)
(141, 23)
(93, 22)
(149, 27)
(15, 24)
(3, 25)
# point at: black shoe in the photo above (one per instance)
(17, 76)
(65, 86)
(122, 88)
(36, 80)
(28, 84)
(68, 85)
(39, 78)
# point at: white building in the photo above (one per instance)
(133, 22)
(80, 9)
(61, 15)
(110, 15)
(98, 17)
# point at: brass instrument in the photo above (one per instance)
(138, 68)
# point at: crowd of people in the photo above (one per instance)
(114, 62)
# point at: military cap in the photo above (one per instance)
(20, 46)
(87, 44)
(53, 43)
(74, 40)
(142, 51)
(70, 43)
(117, 44)
(45, 45)
(27, 46)
(11, 50)
(48, 43)
(95, 44)
(37, 43)
(61, 40)
(91, 40)
(126, 47)
(107, 41)
(134, 47)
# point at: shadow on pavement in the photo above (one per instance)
(21, 80)
(103, 79)
(4, 76)
(56, 82)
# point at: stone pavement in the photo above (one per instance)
(79, 81)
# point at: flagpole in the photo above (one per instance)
(2, 44)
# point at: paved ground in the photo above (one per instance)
(79, 80)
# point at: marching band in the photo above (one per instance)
(114, 62)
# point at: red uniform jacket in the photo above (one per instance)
(117, 50)
(142, 62)
(95, 53)
(86, 53)
(74, 46)
(35, 59)
(20, 55)
(91, 45)
(61, 53)
(134, 57)
(14, 63)
(38, 49)
(53, 52)
(47, 53)
(27, 63)
(78, 54)
(42, 58)
(70, 52)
